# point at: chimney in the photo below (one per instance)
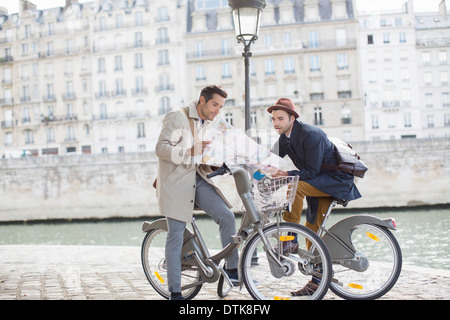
(70, 2)
(443, 10)
(26, 5)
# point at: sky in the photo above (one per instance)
(376, 5)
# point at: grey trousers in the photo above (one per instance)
(208, 200)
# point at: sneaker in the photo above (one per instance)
(307, 290)
(233, 276)
(176, 296)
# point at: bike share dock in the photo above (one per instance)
(115, 273)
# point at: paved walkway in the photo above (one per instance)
(115, 273)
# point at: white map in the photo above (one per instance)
(232, 146)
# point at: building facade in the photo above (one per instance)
(306, 51)
(99, 76)
(90, 78)
(433, 63)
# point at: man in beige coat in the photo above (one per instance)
(181, 183)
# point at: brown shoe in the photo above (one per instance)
(289, 247)
(307, 290)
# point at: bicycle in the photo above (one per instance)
(366, 256)
(265, 267)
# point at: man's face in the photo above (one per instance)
(282, 121)
(209, 110)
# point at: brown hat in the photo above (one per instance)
(284, 104)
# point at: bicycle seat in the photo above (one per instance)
(342, 202)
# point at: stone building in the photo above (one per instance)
(306, 51)
(98, 77)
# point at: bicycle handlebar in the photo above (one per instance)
(219, 172)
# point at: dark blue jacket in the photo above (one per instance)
(309, 147)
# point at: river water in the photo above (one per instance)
(422, 234)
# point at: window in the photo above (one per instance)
(318, 116)
(443, 77)
(138, 61)
(162, 14)
(369, 39)
(229, 118)
(101, 88)
(342, 61)
(138, 18)
(374, 119)
(289, 65)
(313, 39)
(70, 134)
(269, 66)
(49, 48)
(51, 28)
(386, 38)
(119, 86)
(103, 111)
(426, 58)
(117, 63)
(287, 39)
(402, 37)
(427, 78)
(162, 36)
(26, 115)
(445, 99)
(314, 63)
(442, 57)
(200, 73)
(268, 40)
(163, 57)
(141, 130)
(430, 121)
(69, 111)
(346, 116)
(139, 85)
(208, 4)
(119, 21)
(428, 100)
(225, 47)
(404, 73)
(407, 120)
(8, 139)
(138, 39)
(164, 105)
(101, 65)
(253, 117)
(199, 49)
(226, 71)
(29, 137)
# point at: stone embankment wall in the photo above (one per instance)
(401, 173)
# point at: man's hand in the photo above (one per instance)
(275, 172)
(198, 147)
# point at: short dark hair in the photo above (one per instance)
(208, 91)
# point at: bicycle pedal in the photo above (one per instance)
(188, 255)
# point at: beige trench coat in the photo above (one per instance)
(175, 187)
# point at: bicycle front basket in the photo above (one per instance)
(275, 194)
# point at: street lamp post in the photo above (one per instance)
(247, 18)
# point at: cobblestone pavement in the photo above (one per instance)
(115, 273)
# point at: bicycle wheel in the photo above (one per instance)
(266, 280)
(378, 252)
(154, 264)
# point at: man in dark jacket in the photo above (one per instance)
(309, 148)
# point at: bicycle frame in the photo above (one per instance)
(195, 251)
(338, 237)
